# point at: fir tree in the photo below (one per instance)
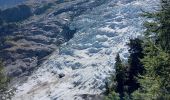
(116, 90)
(135, 65)
(120, 76)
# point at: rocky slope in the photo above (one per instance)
(9, 3)
(4, 4)
(77, 70)
(26, 43)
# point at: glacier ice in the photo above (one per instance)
(88, 58)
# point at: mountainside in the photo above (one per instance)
(30, 33)
(10, 3)
(78, 69)
(4, 4)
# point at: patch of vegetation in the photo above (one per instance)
(147, 74)
(124, 81)
(3, 78)
(3, 82)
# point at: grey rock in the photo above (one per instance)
(61, 75)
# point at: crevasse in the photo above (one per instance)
(88, 58)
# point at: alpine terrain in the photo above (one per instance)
(81, 56)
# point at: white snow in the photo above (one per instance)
(88, 58)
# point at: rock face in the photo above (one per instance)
(15, 14)
(25, 45)
(11, 3)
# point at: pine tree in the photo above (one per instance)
(135, 65)
(120, 76)
(116, 90)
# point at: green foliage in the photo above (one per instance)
(149, 89)
(157, 78)
(5, 94)
(135, 67)
(112, 96)
(155, 84)
(119, 67)
(116, 89)
(125, 74)
(3, 78)
(160, 27)
(120, 76)
(147, 76)
(127, 97)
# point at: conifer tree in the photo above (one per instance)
(3, 79)
(120, 76)
(163, 18)
(155, 83)
(135, 65)
(159, 29)
(113, 96)
(151, 75)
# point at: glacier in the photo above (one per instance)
(87, 60)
